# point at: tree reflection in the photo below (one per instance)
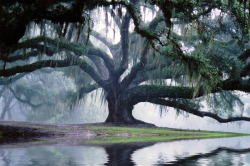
(120, 154)
(219, 156)
(116, 154)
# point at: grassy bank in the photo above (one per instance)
(132, 134)
(106, 133)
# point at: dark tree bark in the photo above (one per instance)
(120, 107)
(120, 111)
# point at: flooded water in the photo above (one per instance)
(205, 152)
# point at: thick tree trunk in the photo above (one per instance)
(120, 112)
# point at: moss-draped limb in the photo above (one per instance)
(245, 71)
(143, 60)
(154, 23)
(6, 81)
(61, 45)
(24, 12)
(124, 43)
(22, 56)
(138, 67)
(25, 101)
(76, 61)
(148, 33)
(34, 66)
(87, 89)
(57, 43)
(143, 92)
(245, 55)
(72, 61)
(165, 73)
(194, 111)
(114, 49)
(107, 60)
(49, 48)
(102, 39)
(241, 85)
(98, 64)
(89, 70)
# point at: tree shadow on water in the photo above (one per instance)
(121, 154)
(220, 156)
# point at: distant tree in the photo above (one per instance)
(202, 46)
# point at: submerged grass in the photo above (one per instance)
(131, 134)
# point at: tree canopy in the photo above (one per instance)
(171, 53)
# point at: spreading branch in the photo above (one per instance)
(245, 55)
(143, 92)
(87, 89)
(245, 71)
(138, 67)
(124, 43)
(108, 61)
(186, 108)
(25, 101)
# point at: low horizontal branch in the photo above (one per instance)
(186, 108)
(34, 66)
(148, 91)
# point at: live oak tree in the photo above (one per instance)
(202, 46)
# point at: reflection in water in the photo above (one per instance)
(221, 151)
(120, 154)
(206, 152)
(53, 155)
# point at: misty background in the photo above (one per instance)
(43, 96)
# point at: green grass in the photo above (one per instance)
(110, 134)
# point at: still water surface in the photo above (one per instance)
(205, 152)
